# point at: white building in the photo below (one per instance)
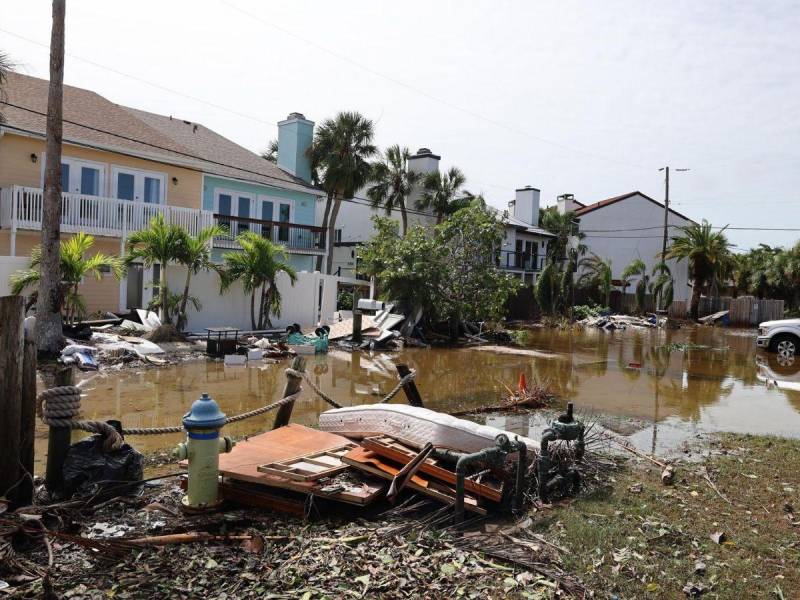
(627, 227)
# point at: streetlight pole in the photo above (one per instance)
(666, 212)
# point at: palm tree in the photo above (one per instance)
(637, 268)
(708, 253)
(196, 257)
(49, 334)
(393, 182)
(663, 286)
(340, 157)
(74, 265)
(161, 243)
(257, 266)
(565, 228)
(271, 152)
(442, 193)
(596, 274)
(6, 66)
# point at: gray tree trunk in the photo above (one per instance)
(50, 338)
(337, 202)
(325, 216)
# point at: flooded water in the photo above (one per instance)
(655, 376)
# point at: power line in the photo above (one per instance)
(422, 92)
(145, 81)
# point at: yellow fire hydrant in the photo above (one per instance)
(202, 448)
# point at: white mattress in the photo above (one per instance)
(415, 426)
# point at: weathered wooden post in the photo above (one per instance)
(58, 440)
(27, 434)
(357, 326)
(284, 414)
(11, 360)
(410, 388)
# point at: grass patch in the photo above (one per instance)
(645, 540)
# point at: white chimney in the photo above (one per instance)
(526, 205)
(423, 162)
(566, 203)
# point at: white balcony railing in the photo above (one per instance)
(21, 208)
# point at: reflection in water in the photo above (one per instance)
(631, 373)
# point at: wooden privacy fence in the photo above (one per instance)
(745, 310)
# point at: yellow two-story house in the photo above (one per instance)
(121, 166)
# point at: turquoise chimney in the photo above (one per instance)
(295, 135)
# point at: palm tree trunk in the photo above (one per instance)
(162, 293)
(253, 309)
(325, 217)
(404, 216)
(697, 286)
(184, 299)
(261, 306)
(337, 203)
(50, 338)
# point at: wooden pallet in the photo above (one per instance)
(390, 448)
(310, 467)
(369, 462)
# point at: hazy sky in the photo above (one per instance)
(589, 98)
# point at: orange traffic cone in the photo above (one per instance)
(522, 386)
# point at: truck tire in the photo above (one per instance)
(785, 344)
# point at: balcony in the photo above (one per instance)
(521, 261)
(21, 208)
(303, 239)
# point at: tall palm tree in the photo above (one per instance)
(74, 265)
(597, 274)
(161, 243)
(708, 254)
(565, 228)
(662, 286)
(637, 268)
(339, 158)
(257, 267)
(271, 152)
(393, 182)
(49, 334)
(443, 194)
(196, 257)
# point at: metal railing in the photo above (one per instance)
(21, 208)
(291, 235)
(521, 261)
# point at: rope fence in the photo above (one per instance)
(60, 406)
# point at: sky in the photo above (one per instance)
(587, 98)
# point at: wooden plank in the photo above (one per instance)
(288, 442)
(28, 420)
(387, 447)
(11, 377)
(309, 467)
(259, 497)
(369, 462)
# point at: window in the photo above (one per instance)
(235, 205)
(244, 212)
(266, 215)
(138, 186)
(337, 236)
(81, 177)
(284, 216)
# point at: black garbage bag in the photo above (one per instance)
(88, 471)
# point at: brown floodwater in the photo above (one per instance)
(725, 386)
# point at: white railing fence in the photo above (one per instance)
(21, 208)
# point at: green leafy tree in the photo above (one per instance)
(453, 275)
(393, 182)
(339, 158)
(565, 228)
(257, 266)
(196, 257)
(638, 269)
(6, 66)
(443, 194)
(160, 243)
(546, 289)
(708, 254)
(596, 274)
(75, 264)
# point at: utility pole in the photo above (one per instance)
(666, 213)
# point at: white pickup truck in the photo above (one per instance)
(782, 336)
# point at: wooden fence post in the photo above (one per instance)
(410, 388)
(11, 360)
(58, 441)
(284, 414)
(27, 434)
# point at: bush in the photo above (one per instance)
(344, 301)
(584, 311)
